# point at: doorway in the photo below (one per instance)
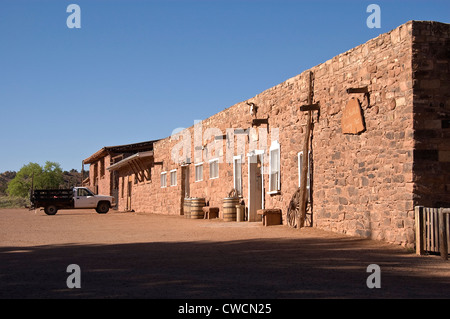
(255, 185)
(130, 185)
(185, 186)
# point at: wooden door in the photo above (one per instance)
(255, 187)
(129, 192)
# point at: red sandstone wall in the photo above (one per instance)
(362, 184)
(103, 181)
(431, 76)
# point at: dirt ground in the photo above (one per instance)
(132, 255)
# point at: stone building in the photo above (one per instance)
(380, 142)
(106, 182)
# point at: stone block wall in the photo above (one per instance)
(431, 78)
(102, 184)
(363, 184)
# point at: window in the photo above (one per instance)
(237, 173)
(102, 167)
(173, 177)
(300, 165)
(198, 172)
(274, 168)
(214, 168)
(84, 192)
(164, 179)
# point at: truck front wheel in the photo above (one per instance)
(102, 208)
(51, 210)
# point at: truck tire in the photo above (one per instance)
(51, 210)
(102, 207)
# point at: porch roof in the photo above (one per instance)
(130, 159)
(128, 148)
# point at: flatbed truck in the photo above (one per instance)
(53, 200)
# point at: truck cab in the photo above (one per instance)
(84, 198)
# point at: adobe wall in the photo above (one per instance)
(363, 184)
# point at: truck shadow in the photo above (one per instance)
(251, 269)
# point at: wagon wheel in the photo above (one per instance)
(293, 211)
(308, 215)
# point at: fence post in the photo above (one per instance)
(442, 235)
(419, 230)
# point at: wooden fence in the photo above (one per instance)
(432, 230)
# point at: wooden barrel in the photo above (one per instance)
(187, 208)
(196, 208)
(229, 208)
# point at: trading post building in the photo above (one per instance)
(377, 122)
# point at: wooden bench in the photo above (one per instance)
(270, 216)
(211, 212)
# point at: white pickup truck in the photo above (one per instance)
(53, 200)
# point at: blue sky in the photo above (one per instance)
(137, 70)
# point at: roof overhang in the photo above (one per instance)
(118, 149)
(129, 161)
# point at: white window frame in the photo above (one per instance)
(275, 146)
(211, 165)
(197, 179)
(163, 178)
(172, 173)
(237, 187)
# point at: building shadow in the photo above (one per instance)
(250, 269)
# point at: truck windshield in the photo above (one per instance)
(84, 192)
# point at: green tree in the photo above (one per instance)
(50, 176)
(21, 184)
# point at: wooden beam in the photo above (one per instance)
(304, 171)
(141, 168)
(419, 230)
(158, 163)
(220, 137)
(136, 171)
(364, 89)
(310, 107)
(258, 122)
(241, 131)
(443, 248)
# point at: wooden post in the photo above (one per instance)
(304, 171)
(442, 235)
(82, 173)
(419, 230)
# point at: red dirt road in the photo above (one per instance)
(129, 255)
